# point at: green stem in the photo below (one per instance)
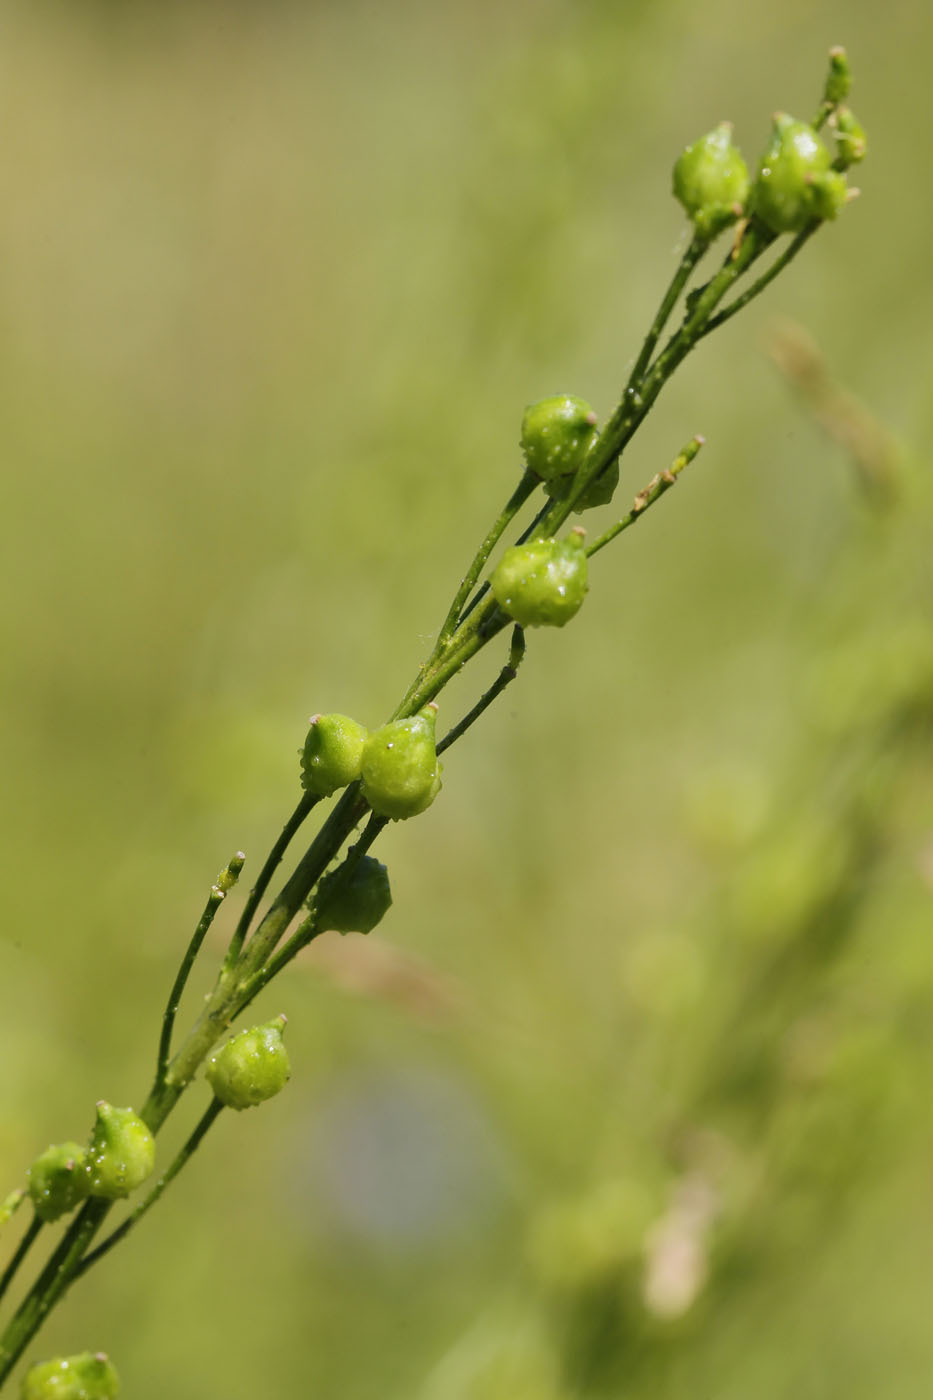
(698, 246)
(778, 266)
(652, 492)
(514, 504)
(216, 897)
(504, 678)
(273, 861)
(25, 1244)
(207, 1120)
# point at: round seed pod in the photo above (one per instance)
(121, 1153)
(401, 774)
(251, 1067)
(88, 1376)
(57, 1180)
(557, 433)
(331, 755)
(711, 181)
(542, 583)
(796, 182)
(357, 904)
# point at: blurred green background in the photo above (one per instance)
(630, 1094)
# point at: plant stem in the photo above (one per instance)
(25, 1244)
(652, 492)
(504, 678)
(779, 264)
(208, 1118)
(698, 246)
(214, 900)
(273, 860)
(515, 502)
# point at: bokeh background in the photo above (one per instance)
(629, 1095)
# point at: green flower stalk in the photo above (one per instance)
(393, 772)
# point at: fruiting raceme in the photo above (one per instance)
(88, 1376)
(400, 771)
(711, 181)
(796, 182)
(332, 752)
(251, 1067)
(355, 904)
(57, 1180)
(542, 583)
(557, 433)
(121, 1153)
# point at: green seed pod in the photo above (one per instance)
(121, 1153)
(401, 774)
(838, 79)
(89, 1376)
(557, 433)
(795, 180)
(851, 141)
(711, 181)
(252, 1067)
(599, 492)
(331, 756)
(357, 904)
(542, 583)
(57, 1180)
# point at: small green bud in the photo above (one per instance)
(851, 141)
(542, 583)
(838, 79)
(252, 1067)
(89, 1376)
(331, 756)
(557, 433)
(357, 904)
(57, 1180)
(795, 180)
(121, 1153)
(401, 774)
(11, 1204)
(711, 181)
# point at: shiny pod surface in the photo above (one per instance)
(355, 904)
(711, 181)
(121, 1153)
(796, 182)
(57, 1180)
(251, 1067)
(332, 752)
(88, 1376)
(557, 433)
(401, 774)
(542, 583)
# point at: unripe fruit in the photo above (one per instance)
(57, 1180)
(851, 141)
(557, 433)
(795, 180)
(542, 583)
(711, 181)
(88, 1376)
(252, 1067)
(401, 774)
(121, 1153)
(331, 755)
(357, 904)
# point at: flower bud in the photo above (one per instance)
(795, 180)
(401, 774)
(557, 433)
(838, 79)
(355, 904)
(11, 1204)
(851, 141)
(331, 755)
(252, 1067)
(711, 181)
(89, 1376)
(57, 1180)
(542, 583)
(121, 1153)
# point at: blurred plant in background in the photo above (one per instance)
(724, 1090)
